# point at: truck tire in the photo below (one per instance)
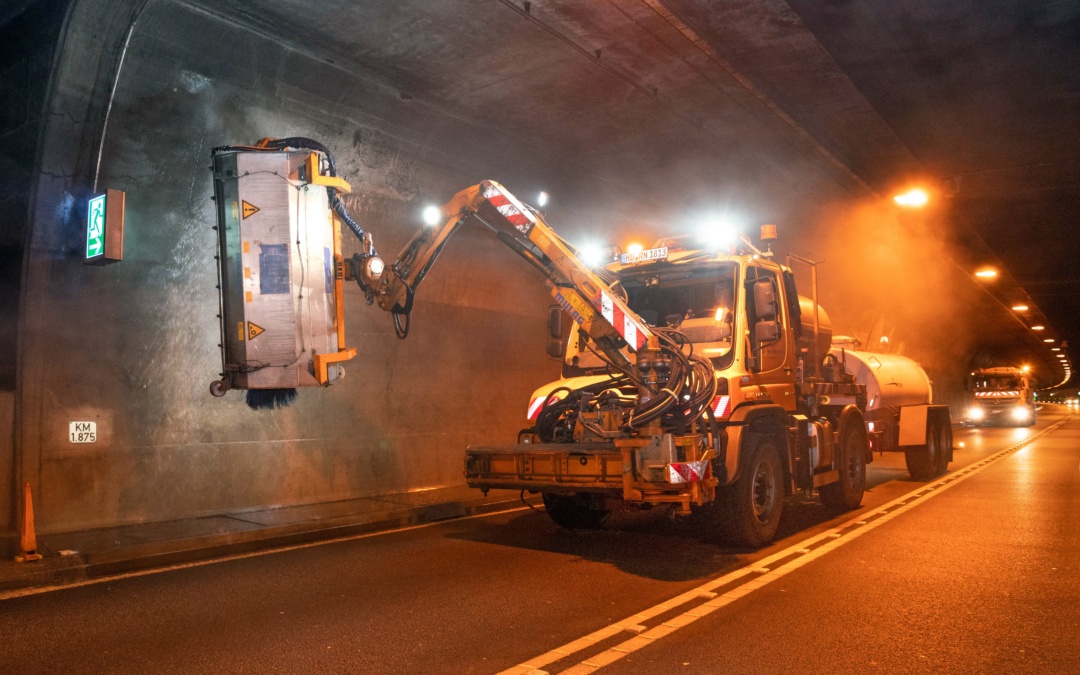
(925, 461)
(755, 502)
(846, 493)
(574, 512)
(946, 449)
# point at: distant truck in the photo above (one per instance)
(1001, 395)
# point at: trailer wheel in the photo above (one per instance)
(574, 512)
(847, 492)
(945, 448)
(926, 461)
(755, 502)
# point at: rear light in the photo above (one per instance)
(721, 406)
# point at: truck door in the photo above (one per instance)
(776, 358)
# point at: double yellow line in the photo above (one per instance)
(724, 590)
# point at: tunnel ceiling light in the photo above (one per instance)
(912, 199)
(986, 273)
(1048, 340)
(1055, 349)
(1038, 328)
(1020, 308)
(542, 199)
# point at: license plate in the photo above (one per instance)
(644, 256)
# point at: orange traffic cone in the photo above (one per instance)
(29, 538)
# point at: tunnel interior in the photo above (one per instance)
(641, 119)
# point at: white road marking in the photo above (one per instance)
(22, 592)
(808, 550)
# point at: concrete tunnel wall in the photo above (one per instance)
(134, 345)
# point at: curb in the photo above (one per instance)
(83, 566)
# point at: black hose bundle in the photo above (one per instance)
(335, 201)
(684, 401)
(690, 388)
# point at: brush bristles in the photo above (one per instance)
(268, 399)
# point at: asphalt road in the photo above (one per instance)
(980, 573)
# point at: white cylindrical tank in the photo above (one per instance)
(891, 380)
(825, 333)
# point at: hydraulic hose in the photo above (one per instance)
(684, 402)
(335, 201)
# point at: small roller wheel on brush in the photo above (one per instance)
(218, 388)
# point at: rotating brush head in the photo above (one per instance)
(268, 399)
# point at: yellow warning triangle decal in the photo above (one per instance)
(254, 331)
(249, 209)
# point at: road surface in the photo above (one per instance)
(977, 571)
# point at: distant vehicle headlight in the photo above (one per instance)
(1021, 413)
(976, 413)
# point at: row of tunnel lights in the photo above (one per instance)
(918, 198)
(1062, 358)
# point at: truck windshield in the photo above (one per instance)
(996, 383)
(698, 300)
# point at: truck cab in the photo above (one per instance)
(1000, 395)
(777, 424)
(705, 297)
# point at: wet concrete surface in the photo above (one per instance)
(981, 577)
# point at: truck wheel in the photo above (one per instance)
(944, 446)
(924, 461)
(574, 512)
(756, 500)
(847, 492)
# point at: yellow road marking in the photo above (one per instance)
(828, 541)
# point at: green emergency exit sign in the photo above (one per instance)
(105, 228)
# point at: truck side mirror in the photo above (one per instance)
(556, 348)
(765, 299)
(766, 332)
(554, 322)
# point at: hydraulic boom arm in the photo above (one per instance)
(674, 387)
(588, 299)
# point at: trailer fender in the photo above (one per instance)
(916, 421)
(765, 418)
(919, 426)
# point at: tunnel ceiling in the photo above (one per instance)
(781, 103)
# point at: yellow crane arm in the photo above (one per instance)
(588, 299)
